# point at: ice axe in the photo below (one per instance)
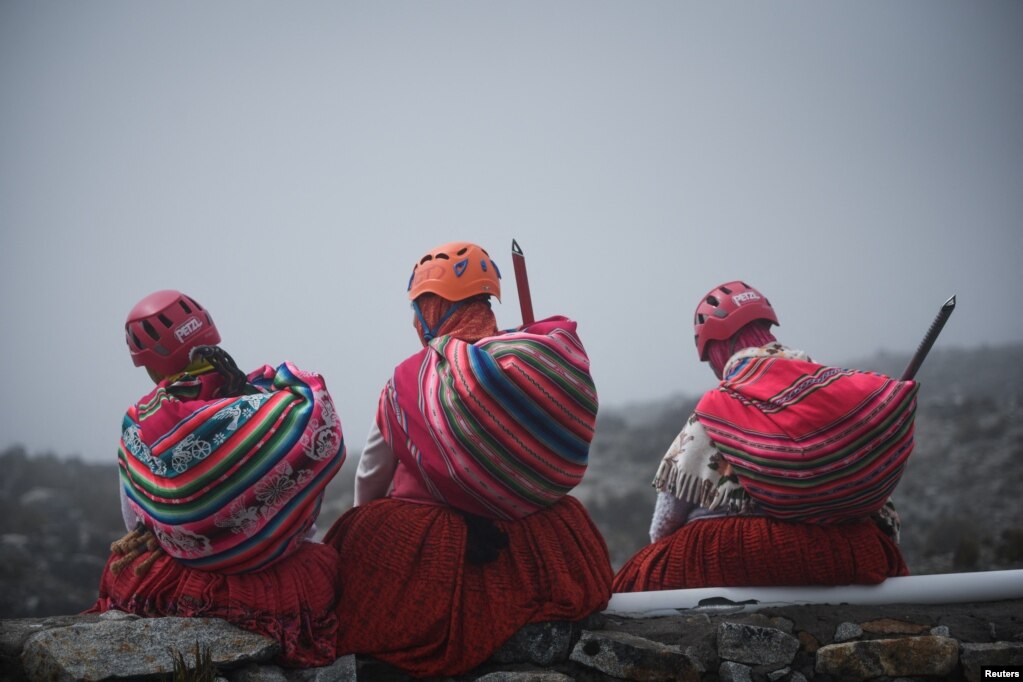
(522, 283)
(932, 334)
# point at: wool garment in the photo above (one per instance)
(810, 442)
(470, 321)
(408, 596)
(291, 602)
(231, 484)
(753, 335)
(757, 551)
(501, 427)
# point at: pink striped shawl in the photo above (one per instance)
(809, 442)
(499, 428)
(231, 485)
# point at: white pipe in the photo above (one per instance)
(945, 588)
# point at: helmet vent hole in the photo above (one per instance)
(184, 306)
(726, 290)
(442, 255)
(701, 318)
(461, 251)
(713, 300)
(165, 320)
(151, 330)
(426, 258)
(135, 340)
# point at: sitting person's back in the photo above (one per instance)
(784, 472)
(222, 474)
(463, 530)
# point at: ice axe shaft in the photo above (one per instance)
(522, 283)
(932, 334)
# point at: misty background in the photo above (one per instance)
(286, 163)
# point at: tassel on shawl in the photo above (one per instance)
(701, 492)
(133, 545)
(694, 471)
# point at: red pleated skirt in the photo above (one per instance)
(291, 601)
(755, 551)
(409, 598)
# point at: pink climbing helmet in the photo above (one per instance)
(163, 327)
(725, 310)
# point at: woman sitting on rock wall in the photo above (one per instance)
(221, 480)
(782, 476)
(463, 529)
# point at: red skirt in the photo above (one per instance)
(756, 551)
(409, 598)
(291, 601)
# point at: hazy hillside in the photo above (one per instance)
(960, 498)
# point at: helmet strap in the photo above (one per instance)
(428, 333)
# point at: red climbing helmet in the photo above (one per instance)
(163, 327)
(455, 271)
(727, 309)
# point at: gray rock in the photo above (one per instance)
(779, 674)
(699, 640)
(730, 671)
(538, 676)
(941, 631)
(846, 632)
(114, 614)
(257, 673)
(628, 657)
(974, 656)
(894, 627)
(765, 648)
(924, 655)
(341, 670)
(137, 648)
(539, 643)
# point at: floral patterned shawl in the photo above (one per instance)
(231, 484)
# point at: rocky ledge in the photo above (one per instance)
(775, 644)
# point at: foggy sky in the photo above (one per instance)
(286, 163)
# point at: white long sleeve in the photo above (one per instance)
(375, 472)
(670, 514)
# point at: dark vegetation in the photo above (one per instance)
(961, 499)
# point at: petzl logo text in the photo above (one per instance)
(191, 326)
(745, 297)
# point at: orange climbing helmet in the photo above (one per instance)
(725, 310)
(455, 271)
(163, 327)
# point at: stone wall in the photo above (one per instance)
(793, 643)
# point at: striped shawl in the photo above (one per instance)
(499, 428)
(810, 442)
(231, 484)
